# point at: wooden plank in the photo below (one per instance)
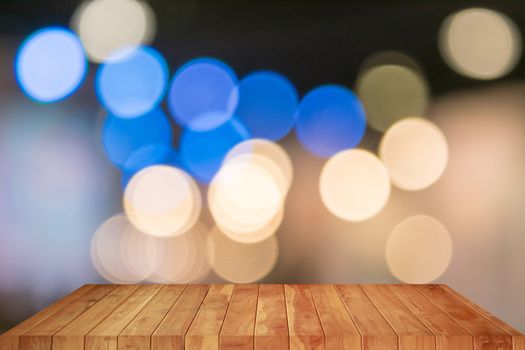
(412, 334)
(104, 335)
(205, 329)
(10, 340)
(239, 324)
(449, 334)
(170, 333)
(40, 336)
(271, 325)
(71, 337)
(305, 328)
(137, 334)
(264, 317)
(487, 336)
(518, 339)
(376, 333)
(339, 328)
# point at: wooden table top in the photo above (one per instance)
(263, 316)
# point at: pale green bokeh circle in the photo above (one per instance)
(390, 93)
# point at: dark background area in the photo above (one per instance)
(312, 42)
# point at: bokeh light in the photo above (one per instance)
(241, 263)
(267, 104)
(415, 152)
(203, 94)
(389, 57)
(50, 64)
(57, 189)
(480, 43)
(105, 26)
(122, 137)
(151, 154)
(391, 92)
(354, 185)
(183, 258)
(134, 83)
(249, 235)
(419, 249)
(122, 254)
(330, 119)
(271, 151)
(202, 152)
(162, 201)
(244, 197)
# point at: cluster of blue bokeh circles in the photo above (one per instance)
(215, 109)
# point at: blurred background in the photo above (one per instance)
(389, 143)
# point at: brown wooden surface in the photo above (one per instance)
(207, 324)
(172, 330)
(263, 317)
(411, 333)
(271, 323)
(304, 325)
(239, 324)
(376, 333)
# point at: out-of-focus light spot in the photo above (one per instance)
(390, 57)
(415, 152)
(267, 105)
(183, 258)
(480, 43)
(271, 151)
(202, 152)
(245, 198)
(153, 154)
(203, 94)
(354, 185)
(50, 64)
(330, 119)
(419, 249)
(122, 254)
(258, 235)
(162, 201)
(390, 93)
(121, 137)
(134, 83)
(238, 262)
(105, 26)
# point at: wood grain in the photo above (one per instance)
(271, 325)
(205, 329)
(487, 336)
(170, 333)
(339, 328)
(411, 333)
(449, 334)
(137, 334)
(239, 324)
(376, 333)
(105, 334)
(263, 317)
(71, 337)
(305, 328)
(11, 339)
(40, 336)
(518, 339)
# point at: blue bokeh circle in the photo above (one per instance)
(330, 118)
